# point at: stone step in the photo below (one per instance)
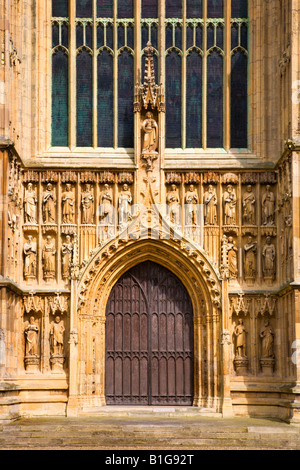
(141, 411)
(150, 433)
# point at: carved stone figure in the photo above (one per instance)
(250, 250)
(150, 128)
(57, 336)
(48, 207)
(30, 253)
(267, 337)
(269, 256)
(106, 207)
(31, 338)
(249, 201)
(125, 201)
(232, 258)
(30, 203)
(230, 206)
(240, 333)
(191, 201)
(67, 253)
(173, 203)
(48, 258)
(210, 206)
(87, 202)
(68, 202)
(268, 207)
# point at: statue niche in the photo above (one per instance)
(150, 140)
(149, 102)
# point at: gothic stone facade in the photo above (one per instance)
(61, 256)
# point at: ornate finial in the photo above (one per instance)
(149, 95)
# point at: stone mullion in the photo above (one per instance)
(137, 74)
(161, 79)
(48, 92)
(227, 75)
(183, 76)
(204, 78)
(72, 75)
(115, 73)
(95, 58)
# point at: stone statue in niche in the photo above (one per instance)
(87, 202)
(230, 202)
(249, 201)
(250, 250)
(57, 330)
(30, 253)
(30, 204)
(173, 203)
(210, 206)
(240, 332)
(48, 206)
(31, 338)
(269, 257)
(232, 258)
(191, 201)
(267, 341)
(106, 205)
(150, 128)
(67, 253)
(125, 201)
(268, 207)
(48, 258)
(68, 202)
(57, 336)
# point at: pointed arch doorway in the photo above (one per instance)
(149, 345)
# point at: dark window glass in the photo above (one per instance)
(79, 35)
(244, 36)
(105, 99)
(84, 98)
(169, 36)
(55, 32)
(149, 9)
(125, 99)
(84, 8)
(60, 8)
(173, 8)
(130, 37)
(89, 36)
(194, 9)
(145, 36)
(239, 100)
(125, 8)
(215, 8)
(65, 35)
(173, 100)
(239, 8)
(214, 100)
(194, 100)
(60, 120)
(105, 8)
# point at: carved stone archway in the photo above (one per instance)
(90, 294)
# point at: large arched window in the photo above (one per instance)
(201, 55)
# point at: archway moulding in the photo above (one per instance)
(109, 262)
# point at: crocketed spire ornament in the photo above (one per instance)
(149, 96)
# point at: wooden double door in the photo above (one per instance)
(149, 339)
